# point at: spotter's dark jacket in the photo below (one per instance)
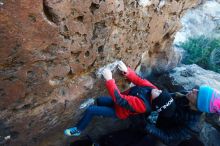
(135, 100)
(182, 125)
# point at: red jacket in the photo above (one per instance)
(134, 105)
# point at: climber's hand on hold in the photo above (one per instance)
(122, 67)
(107, 74)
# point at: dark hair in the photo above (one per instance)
(196, 87)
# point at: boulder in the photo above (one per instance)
(51, 50)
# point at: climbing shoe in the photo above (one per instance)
(72, 132)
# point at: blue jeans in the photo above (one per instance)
(104, 107)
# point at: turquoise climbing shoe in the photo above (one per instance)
(72, 132)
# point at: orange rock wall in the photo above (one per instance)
(51, 49)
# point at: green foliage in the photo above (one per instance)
(198, 51)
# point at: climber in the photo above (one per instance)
(136, 100)
(181, 126)
(206, 99)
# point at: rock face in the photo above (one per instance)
(187, 77)
(50, 50)
(195, 22)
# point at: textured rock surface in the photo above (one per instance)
(186, 77)
(50, 50)
(195, 21)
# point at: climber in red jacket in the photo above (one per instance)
(138, 99)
